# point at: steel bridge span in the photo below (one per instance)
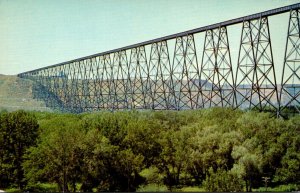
(155, 75)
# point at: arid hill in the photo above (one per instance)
(16, 93)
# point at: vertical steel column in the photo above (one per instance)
(77, 87)
(116, 83)
(265, 82)
(85, 84)
(143, 69)
(114, 78)
(89, 84)
(63, 83)
(255, 79)
(160, 75)
(137, 99)
(68, 87)
(102, 84)
(92, 84)
(44, 84)
(131, 77)
(152, 73)
(208, 68)
(73, 83)
(80, 87)
(54, 87)
(74, 97)
(217, 80)
(127, 82)
(97, 82)
(37, 88)
(185, 74)
(290, 83)
(120, 83)
(47, 86)
(245, 67)
(107, 83)
(51, 84)
(223, 69)
(136, 73)
(61, 88)
(179, 100)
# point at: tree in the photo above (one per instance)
(222, 181)
(58, 155)
(214, 137)
(260, 153)
(224, 149)
(18, 132)
(94, 172)
(113, 151)
(172, 161)
(289, 169)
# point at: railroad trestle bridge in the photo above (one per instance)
(155, 75)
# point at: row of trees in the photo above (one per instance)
(218, 149)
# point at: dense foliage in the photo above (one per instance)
(18, 132)
(217, 149)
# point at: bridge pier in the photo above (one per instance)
(159, 70)
(290, 83)
(256, 68)
(216, 69)
(185, 74)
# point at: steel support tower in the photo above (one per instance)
(173, 73)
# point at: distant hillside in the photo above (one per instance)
(16, 93)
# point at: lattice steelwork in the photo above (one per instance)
(185, 74)
(217, 89)
(166, 73)
(290, 89)
(256, 86)
(159, 75)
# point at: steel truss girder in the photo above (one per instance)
(290, 83)
(256, 67)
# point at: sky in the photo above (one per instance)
(35, 34)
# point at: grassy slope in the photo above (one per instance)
(16, 93)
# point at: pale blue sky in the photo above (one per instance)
(34, 34)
